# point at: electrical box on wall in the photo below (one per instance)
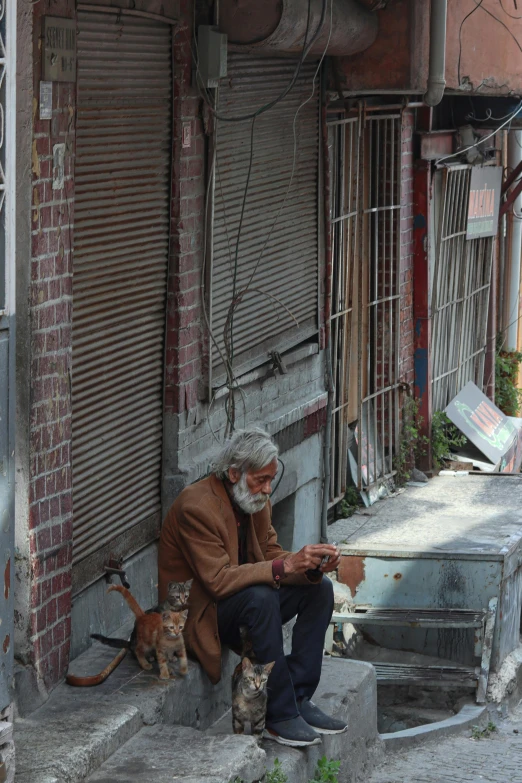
(212, 55)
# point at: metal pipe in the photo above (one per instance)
(280, 25)
(512, 267)
(437, 72)
(327, 314)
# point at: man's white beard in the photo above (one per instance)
(246, 501)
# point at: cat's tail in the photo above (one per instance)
(134, 605)
(111, 642)
(86, 682)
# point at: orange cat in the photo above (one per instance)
(160, 633)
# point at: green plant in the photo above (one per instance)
(349, 504)
(276, 774)
(477, 733)
(508, 396)
(444, 437)
(326, 771)
(412, 444)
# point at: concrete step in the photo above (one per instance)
(165, 754)
(77, 729)
(348, 690)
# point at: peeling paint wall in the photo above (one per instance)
(398, 60)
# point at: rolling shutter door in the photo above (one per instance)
(288, 268)
(120, 270)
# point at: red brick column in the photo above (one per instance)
(184, 333)
(50, 502)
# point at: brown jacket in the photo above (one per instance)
(199, 540)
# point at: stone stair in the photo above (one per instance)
(348, 691)
(135, 728)
(163, 754)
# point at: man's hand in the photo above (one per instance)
(310, 557)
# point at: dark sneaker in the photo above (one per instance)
(295, 732)
(316, 718)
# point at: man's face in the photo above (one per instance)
(252, 489)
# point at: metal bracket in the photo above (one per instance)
(277, 362)
(114, 568)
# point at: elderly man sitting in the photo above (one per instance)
(219, 532)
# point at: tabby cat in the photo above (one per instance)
(249, 696)
(177, 601)
(154, 632)
(177, 597)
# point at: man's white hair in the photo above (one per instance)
(249, 449)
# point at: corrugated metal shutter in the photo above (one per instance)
(289, 266)
(120, 270)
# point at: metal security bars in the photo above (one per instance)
(461, 278)
(365, 175)
(378, 427)
(344, 151)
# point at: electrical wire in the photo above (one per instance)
(460, 37)
(488, 12)
(512, 16)
(228, 334)
(284, 93)
(484, 139)
(274, 489)
(488, 116)
(294, 157)
(478, 5)
(306, 47)
(236, 299)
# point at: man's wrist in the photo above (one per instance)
(278, 570)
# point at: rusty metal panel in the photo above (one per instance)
(436, 144)
(425, 583)
(120, 272)
(510, 608)
(278, 247)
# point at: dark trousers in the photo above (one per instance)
(264, 610)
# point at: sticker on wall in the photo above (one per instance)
(46, 100)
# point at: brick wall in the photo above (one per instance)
(184, 337)
(50, 502)
(406, 372)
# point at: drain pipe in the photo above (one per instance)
(437, 72)
(327, 313)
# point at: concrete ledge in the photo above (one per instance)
(69, 743)
(348, 690)
(186, 701)
(166, 753)
(469, 716)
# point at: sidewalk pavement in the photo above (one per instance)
(495, 759)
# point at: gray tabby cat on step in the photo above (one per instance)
(177, 598)
(249, 696)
